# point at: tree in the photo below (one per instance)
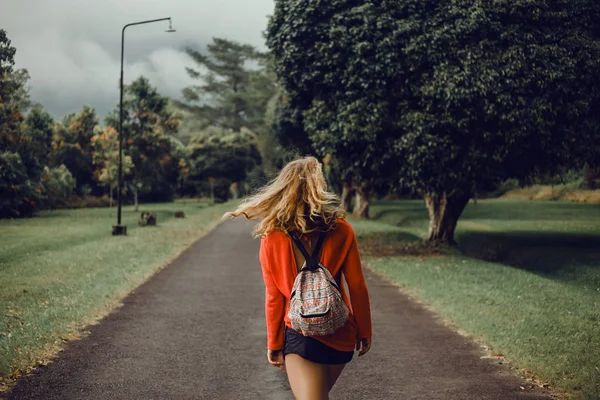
(39, 126)
(285, 124)
(72, 147)
(59, 185)
(11, 114)
(338, 67)
(148, 127)
(106, 159)
(184, 164)
(228, 158)
(20, 168)
(499, 90)
(447, 95)
(18, 81)
(277, 141)
(236, 84)
(19, 195)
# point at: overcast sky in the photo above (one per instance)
(72, 47)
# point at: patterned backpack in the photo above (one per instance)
(316, 304)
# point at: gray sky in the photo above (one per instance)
(71, 48)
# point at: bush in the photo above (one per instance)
(59, 185)
(88, 202)
(256, 179)
(558, 192)
(222, 190)
(19, 195)
(158, 192)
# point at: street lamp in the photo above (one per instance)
(122, 229)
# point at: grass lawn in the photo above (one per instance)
(64, 270)
(525, 281)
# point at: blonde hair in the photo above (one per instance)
(296, 200)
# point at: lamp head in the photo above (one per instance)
(170, 30)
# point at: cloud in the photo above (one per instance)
(72, 47)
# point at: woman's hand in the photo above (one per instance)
(276, 359)
(363, 346)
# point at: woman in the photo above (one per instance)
(297, 204)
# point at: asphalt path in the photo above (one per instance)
(196, 330)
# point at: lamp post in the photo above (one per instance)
(122, 229)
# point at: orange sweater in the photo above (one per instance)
(339, 254)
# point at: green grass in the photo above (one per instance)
(64, 270)
(525, 281)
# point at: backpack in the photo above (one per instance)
(316, 305)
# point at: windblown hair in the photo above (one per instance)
(296, 201)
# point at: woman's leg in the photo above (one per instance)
(307, 379)
(333, 373)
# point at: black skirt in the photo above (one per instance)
(313, 350)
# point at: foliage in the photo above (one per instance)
(518, 99)
(283, 136)
(443, 96)
(21, 159)
(19, 195)
(236, 85)
(13, 83)
(18, 95)
(72, 146)
(39, 127)
(148, 127)
(256, 178)
(191, 122)
(106, 158)
(58, 184)
(7, 54)
(227, 157)
(339, 71)
(11, 115)
(184, 163)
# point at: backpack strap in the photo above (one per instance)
(302, 249)
(311, 261)
(317, 251)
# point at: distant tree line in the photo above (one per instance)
(47, 164)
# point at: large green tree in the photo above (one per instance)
(499, 89)
(235, 84)
(339, 68)
(441, 96)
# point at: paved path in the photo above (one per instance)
(196, 331)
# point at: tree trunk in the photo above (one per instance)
(444, 212)
(347, 192)
(361, 203)
(135, 197)
(110, 197)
